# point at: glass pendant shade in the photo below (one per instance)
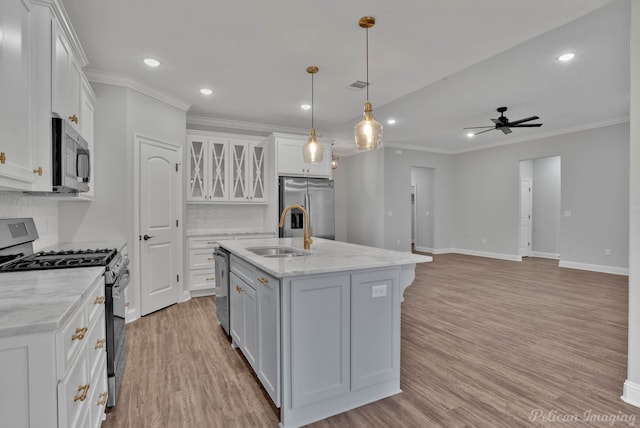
(334, 162)
(368, 132)
(312, 151)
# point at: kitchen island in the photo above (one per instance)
(320, 327)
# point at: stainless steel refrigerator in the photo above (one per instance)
(316, 195)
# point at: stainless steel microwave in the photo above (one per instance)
(71, 159)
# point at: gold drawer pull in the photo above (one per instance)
(238, 289)
(263, 280)
(103, 399)
(83, 390)
(38, 171)
(79, 333)
(74, 119)
(209, 279)
(212, 242)
(99, 300)
(99, 344)
(3, 157)
(211, 258)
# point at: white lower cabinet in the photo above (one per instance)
(255, 322)
(58, 378)
(201, 262)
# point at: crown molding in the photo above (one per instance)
(244, 126)
(119, 79)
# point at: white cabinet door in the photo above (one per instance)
(289, 159)
(237, 316)
(16, 168)
(239, 163)
(66, 79)
(268, 289)
(197, 177)
(257, 172)
(250, 313)
(217, 171)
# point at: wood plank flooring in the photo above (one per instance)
(484, 344)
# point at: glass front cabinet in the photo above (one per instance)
(225, 170)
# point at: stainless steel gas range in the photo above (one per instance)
(16, 254)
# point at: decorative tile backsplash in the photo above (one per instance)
(45, 213)
(249, 218)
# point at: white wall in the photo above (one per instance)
(120, 114)
(595, 183)
(632, 385)
(546, 206)
(43, 210)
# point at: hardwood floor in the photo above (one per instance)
(485, 343)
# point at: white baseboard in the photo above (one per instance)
(543, 255)
(501, 256)
(442, 251)
(631, 393)
(184, 296)
(131, 315)
(424, 249)
(594, 268)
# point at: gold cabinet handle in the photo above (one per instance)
(82, 392)
(99, 344)
(126, 305)
(99, 300)
(74, 119)
(3, 157)
(38, 171)
(103, 399)
(211, 258)
(212, 242)
(79, 333)
(209, 279)
(263, 280)
(238, 289)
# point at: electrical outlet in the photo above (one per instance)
(607, 251)
(379, 290)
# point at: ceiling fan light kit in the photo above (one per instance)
(368, 132)
(503, 124)
(312, 151)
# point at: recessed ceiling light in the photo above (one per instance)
(566, 57)
(470, 134)
(305, 106)
(151, 62)
(391, 121)
(206, 91)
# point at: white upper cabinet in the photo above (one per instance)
(16, 151)
(225, 169)
(289, 159)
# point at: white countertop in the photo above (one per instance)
(40, 301)
(225, 232)
(325, 256)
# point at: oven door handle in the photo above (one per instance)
(121, 283)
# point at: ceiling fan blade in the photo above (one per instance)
(486, 130)
(526, 125)
(527, 119)
(505, 129)
(496, 121)
(478, 127)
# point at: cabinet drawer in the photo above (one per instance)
(73, 391)
(70, 340)
(244, 270)
(201, 259)
(202, 279)
(206, 241)
(96, 343)
(95, 300)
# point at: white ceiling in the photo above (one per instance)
(435, 66)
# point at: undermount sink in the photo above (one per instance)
(277, 251)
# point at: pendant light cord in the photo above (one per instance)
(367, 38)
(312, 100)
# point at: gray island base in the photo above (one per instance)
(320, 329)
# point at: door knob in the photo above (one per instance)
(147, 237)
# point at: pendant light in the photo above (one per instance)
(312, 151)
(368, 131)
(334, 161)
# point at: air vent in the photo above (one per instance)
(357, 85)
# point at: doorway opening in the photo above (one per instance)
(540, 206)
(422, 208)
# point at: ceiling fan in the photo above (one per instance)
(502, 123)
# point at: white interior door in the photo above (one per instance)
(525, 216)
(159, 244)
